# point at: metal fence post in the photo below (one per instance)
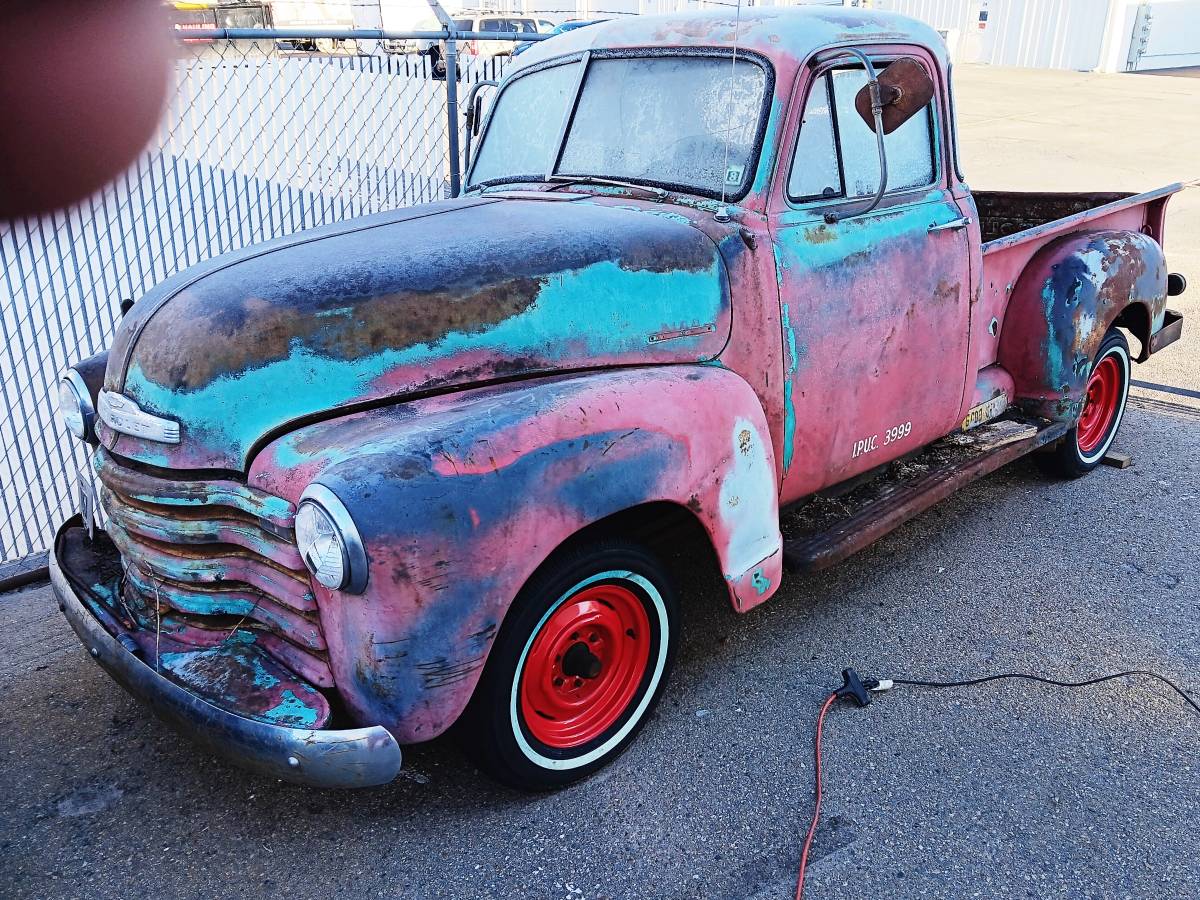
(451, 94)
(452, 114)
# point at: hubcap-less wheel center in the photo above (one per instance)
(585, 666)
(580, 662)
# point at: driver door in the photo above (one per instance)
(875, 307)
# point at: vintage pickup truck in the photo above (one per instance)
(366, 482)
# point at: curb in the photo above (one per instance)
(21, 572)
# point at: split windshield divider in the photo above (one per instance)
(569, 115)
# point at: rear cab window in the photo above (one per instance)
(836, 156)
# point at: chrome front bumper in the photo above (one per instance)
(356, 757)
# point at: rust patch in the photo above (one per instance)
(258, 331)
(819, 235)
(946, 292)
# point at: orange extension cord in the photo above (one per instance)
(860, 690)
(812, 829)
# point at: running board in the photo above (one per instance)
(830, 529)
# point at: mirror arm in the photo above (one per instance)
(469, 115)
(833, 216)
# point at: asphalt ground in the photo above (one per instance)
(1002, 790)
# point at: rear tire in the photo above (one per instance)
(577, 668)
(1084, 446)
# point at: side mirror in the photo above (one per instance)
(905, 88)
(474, 118)
(475, 115)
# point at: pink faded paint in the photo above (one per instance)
(702, 443)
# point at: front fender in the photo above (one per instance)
(1062, 305)
(459, 499)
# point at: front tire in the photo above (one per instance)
(1084, 446)
(577, 668)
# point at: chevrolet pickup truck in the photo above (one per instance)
(367, 482)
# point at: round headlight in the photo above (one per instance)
(75, 405)
(321, 545)
(328, 541)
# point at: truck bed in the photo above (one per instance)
(1009, 218)
(1006, 213)
(1017, 226)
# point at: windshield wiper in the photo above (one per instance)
(568, 180)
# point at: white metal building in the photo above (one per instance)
(1101, 35)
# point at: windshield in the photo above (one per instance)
(659, 120)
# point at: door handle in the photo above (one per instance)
(951, 225)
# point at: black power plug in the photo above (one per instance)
(853, 687)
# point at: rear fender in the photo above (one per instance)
(1068, 296)
(459, 499)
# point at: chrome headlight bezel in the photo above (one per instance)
(324, 502)
(71, 385)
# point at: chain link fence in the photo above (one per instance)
(259, 140)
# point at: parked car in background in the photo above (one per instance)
(570, 25)
(468, 21)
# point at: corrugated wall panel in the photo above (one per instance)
(1053, 34)
(947, 16)
(1059, 34)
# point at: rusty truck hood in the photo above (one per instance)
(423, 299)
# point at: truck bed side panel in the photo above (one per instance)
(1007, 257)
(1063, 303)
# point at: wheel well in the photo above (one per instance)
(670, 530)
(1135, 318)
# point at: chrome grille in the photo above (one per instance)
(214, 554)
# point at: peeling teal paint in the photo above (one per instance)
(292, 712)
(760, 581)
(789, 409)
(601, 311)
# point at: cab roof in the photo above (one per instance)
(777, 33)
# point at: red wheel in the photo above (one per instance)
(1103, 406)
(576, 669)
(1105, 391)
(585, 665)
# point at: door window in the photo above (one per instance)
(836, 155)
(815, 169)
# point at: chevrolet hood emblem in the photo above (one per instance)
(121, 414)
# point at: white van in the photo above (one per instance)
(484, 22)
